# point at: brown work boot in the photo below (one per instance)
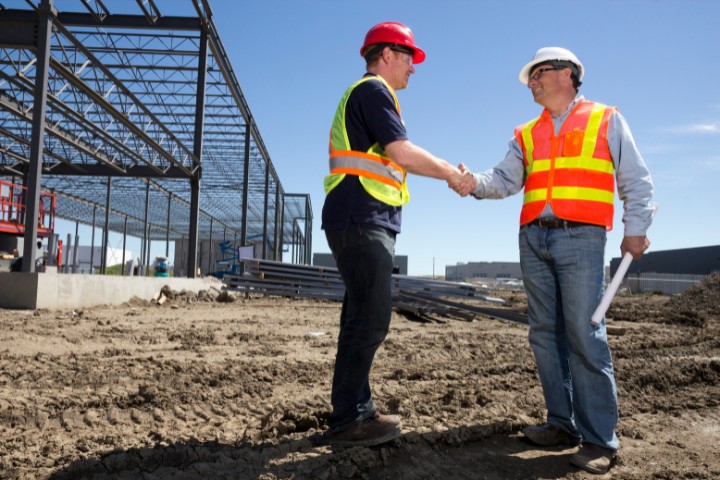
(371, 431)
(549, 435)
(593, 458)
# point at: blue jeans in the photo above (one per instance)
(563, 273)
(365, 256)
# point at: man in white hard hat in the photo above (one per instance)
(568, 160)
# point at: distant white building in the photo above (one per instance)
(490, 272)
(86, 254)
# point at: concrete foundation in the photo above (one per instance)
(31, 291)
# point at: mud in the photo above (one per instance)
(198, 388)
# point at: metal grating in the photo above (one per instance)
(121, 121)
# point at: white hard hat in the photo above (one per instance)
(548, 54)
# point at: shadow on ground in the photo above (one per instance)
(493, 451)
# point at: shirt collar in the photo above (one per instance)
(570, 107)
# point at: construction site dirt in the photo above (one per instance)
(196, 388)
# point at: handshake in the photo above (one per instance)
(462, 181)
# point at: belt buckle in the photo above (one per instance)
(550, 222)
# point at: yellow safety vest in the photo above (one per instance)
(382, 178)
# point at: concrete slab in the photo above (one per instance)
(19, 290)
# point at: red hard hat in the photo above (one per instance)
(393, 32)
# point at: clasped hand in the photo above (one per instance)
(462, 181)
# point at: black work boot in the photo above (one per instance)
(374, 430)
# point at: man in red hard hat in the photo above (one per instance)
(370, 156)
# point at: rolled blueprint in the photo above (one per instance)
(612, 288)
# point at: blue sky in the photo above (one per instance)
(656, 60)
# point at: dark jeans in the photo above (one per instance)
(364, 255)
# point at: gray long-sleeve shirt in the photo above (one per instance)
(634, 185)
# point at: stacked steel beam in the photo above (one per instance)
(267, 277)
(423, 298)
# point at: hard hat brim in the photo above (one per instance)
(524, 76)
(418, 53)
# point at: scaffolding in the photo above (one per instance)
(135, 121)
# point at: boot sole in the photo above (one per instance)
(559, 440)
(588, 468)
(369, 442)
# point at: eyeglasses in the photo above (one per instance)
(407, 56)
(539, 72)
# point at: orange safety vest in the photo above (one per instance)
(573, 171)
(382, 178)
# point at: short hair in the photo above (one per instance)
(573, 68)
(373, 52)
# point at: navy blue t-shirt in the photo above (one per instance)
(370, 117)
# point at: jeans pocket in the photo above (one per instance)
(591, 237)
(586, 231)
(336, 241)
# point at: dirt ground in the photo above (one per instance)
(201, 389)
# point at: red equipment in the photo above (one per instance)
(12, 210)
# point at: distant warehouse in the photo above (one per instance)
(484, 272)
(685, 261)
(670, 271)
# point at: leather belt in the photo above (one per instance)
(558, 223)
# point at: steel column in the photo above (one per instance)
(197, 151)
(146, 228)
(211, 248)
(75, 263)
(246, 186)
(276, 240)
(167, 228)
(67, 257)
(265, 212)
(282, 229)
(308, 230)
(124, 245)
(106, 229)
(46, 12)
(92, 241)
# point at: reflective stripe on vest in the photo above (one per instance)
(382, 178)
(572, 171)
(381, 170)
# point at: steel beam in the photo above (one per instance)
(197, 150)
(106, 228)
(246, 187)
(34, 177)
(18, 32)
(265, 213)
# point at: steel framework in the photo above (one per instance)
(138, 124)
